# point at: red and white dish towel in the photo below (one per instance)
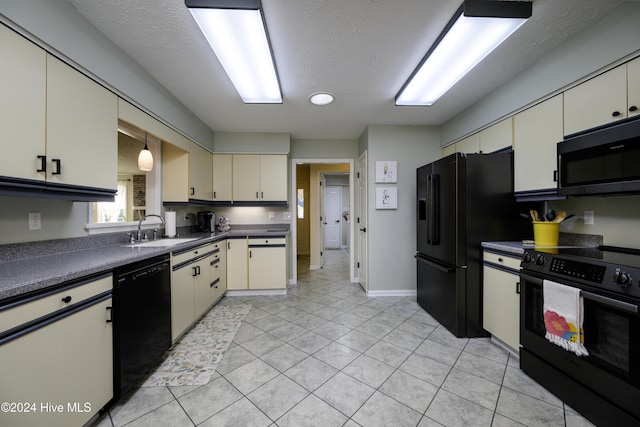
(563, 316)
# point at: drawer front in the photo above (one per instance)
(268, 241)
(37, 308)
(193, 253)
(503, 260)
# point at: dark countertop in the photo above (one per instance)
(515, 248)
(29, 274)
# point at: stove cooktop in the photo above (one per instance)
(612, 268)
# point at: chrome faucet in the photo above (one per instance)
(145, 217)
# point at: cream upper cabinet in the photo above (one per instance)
(273, 177)
(175, 173)
(497, 136)
(596, 102)
(59, 126)
(259, 178)
(469, 145)
(633, 87)
(200, 173)
(82, 129)
(246, 177)
(537, 130)
(448, 150)
(22, 106)
(222, 176)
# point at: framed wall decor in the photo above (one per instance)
(386, 171)
(386, 197)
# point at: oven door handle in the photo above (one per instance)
(621, 305)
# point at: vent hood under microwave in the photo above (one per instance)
(603, 161)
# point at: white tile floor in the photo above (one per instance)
(327, 355)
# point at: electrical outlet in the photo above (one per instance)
(589, 217)
(286, 216)
(35, 222)
(272, 215)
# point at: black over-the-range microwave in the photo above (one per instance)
(603, 161)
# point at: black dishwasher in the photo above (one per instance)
(142, 319)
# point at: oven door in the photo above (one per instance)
(611, 336)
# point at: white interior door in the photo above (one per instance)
(361, 221)
(333, 211)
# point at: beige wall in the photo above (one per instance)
(303, 231)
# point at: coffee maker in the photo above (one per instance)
(206, 221)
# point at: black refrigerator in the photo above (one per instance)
(462, 200)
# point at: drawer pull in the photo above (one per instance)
(66, 299)
(109, 313)
(500, 260)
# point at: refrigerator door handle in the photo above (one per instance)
(436, 265)
(435, 208)
(429, 207)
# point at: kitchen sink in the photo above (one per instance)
(162, 242)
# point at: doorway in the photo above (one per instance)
(309, 226)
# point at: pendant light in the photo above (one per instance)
(145, 158)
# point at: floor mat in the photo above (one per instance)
(186, 363)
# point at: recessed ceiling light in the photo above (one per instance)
(321, 98)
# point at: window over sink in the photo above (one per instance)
(138, 191)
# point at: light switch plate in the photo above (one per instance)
(589, 217)
(35, 222)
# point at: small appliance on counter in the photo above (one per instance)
(205, 221)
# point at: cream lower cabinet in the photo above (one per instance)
(267, 263)
(501, 298)
(237, 269)
(191, 290)
(59, 372)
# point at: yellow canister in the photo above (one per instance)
(546, 233)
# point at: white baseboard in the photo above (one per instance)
(257, 292)
(392, 293)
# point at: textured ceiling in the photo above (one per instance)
(360, 50)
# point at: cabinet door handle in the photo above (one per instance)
(43, 164)
(517, 287)
(615, 113)
(193, 191)
(214, 195)
(109, 315)
(58, 168)
(257, 195)
(66, 299)
(228, 245)
(249, 254)
(194, 271)
(555, 176)
(633, 108)
(262, 194)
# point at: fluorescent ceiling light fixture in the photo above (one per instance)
(321, 98)
(237, 33)
(477, 28)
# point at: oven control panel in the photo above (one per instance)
(577, 269)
